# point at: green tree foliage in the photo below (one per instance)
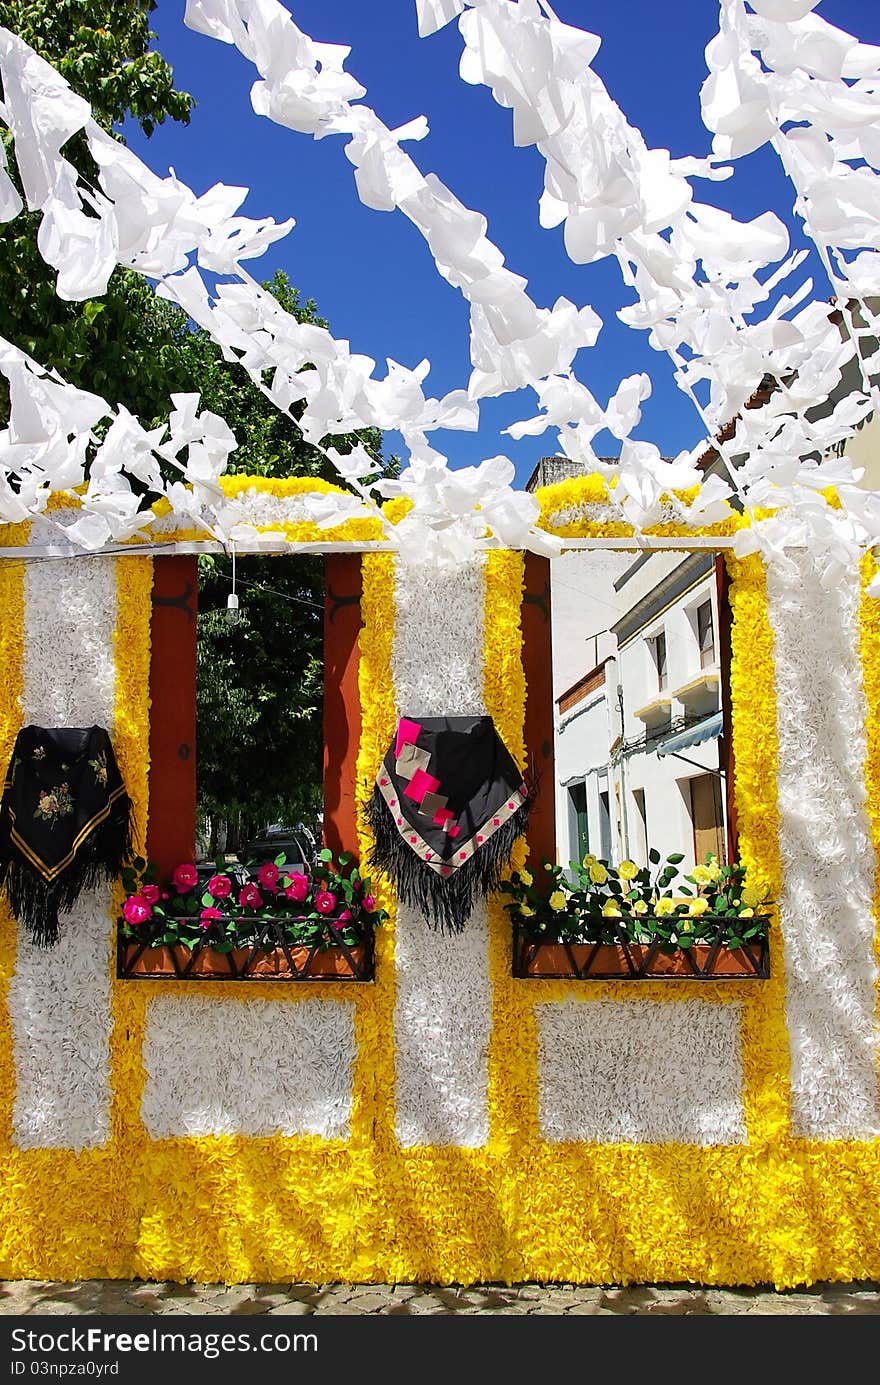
(102, 48)
(259, 701)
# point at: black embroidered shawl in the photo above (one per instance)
(448, 805)
(64, 822)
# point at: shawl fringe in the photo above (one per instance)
(445, 901)
(35, 902)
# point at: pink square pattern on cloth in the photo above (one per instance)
(407, 734)
(420, 784)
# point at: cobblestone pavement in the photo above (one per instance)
(118, 1298)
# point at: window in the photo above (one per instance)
(581, 830)
(604, 825)
(705, 634)
(707, 817)
(658, 645)
(640, 828)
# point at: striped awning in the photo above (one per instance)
(705, 730)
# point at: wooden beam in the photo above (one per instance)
(342, 707)
(538, 668)
(171, 827)
(725, 755)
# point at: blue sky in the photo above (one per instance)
(371, 273)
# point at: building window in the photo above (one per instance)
(640, 828)
(658, 649)
(706, 634)
(604, 825)
(707, 817)
(577, 795)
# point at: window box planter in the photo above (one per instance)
(268, 958)
(708, 960)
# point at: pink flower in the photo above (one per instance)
(344, 916)
(325, 902)
(136, 909)
(184, 878)
(150, 893)
(220, 886)
(298, 887)
(268, 877)
(250, 897)
(369, 904)
(207, 917)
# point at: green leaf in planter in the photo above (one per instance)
(685, 941)
(139, 863)
(192, 905)
(226, 946)
(675, 858)
(654, 856)
(733, 943)
(220, 862)
(344, 858)
(325, 854)
(280, 859)
(167, 939)
(683, 889)
(207, 899)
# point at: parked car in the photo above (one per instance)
(296, 844)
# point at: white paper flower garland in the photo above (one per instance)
(828, 859)
(641, 1071)
(59, 998)
(251, 1067)
(442, 1015)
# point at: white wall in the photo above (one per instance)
(863, 449)
(584, 602)
(664, 779)
(583, 740)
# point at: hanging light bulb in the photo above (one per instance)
(233, 611)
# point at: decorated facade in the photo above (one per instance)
(448, 1121)
(441, 1106)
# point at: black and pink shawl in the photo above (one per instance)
(448, 805)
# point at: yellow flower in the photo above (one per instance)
(557, 901)
(702, 875)
(598, 873)
(747, 913)
(526, 912)
(751, 896)
(687, 926)
(663, 908)
(713, 867)
(525, 877)
(640, 907)
(611, 909)
(627, 870)
(698, 906)
(589, 860)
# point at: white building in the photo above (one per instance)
(638, 731)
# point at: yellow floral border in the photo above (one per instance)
(776, 1209)
(11, 661)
